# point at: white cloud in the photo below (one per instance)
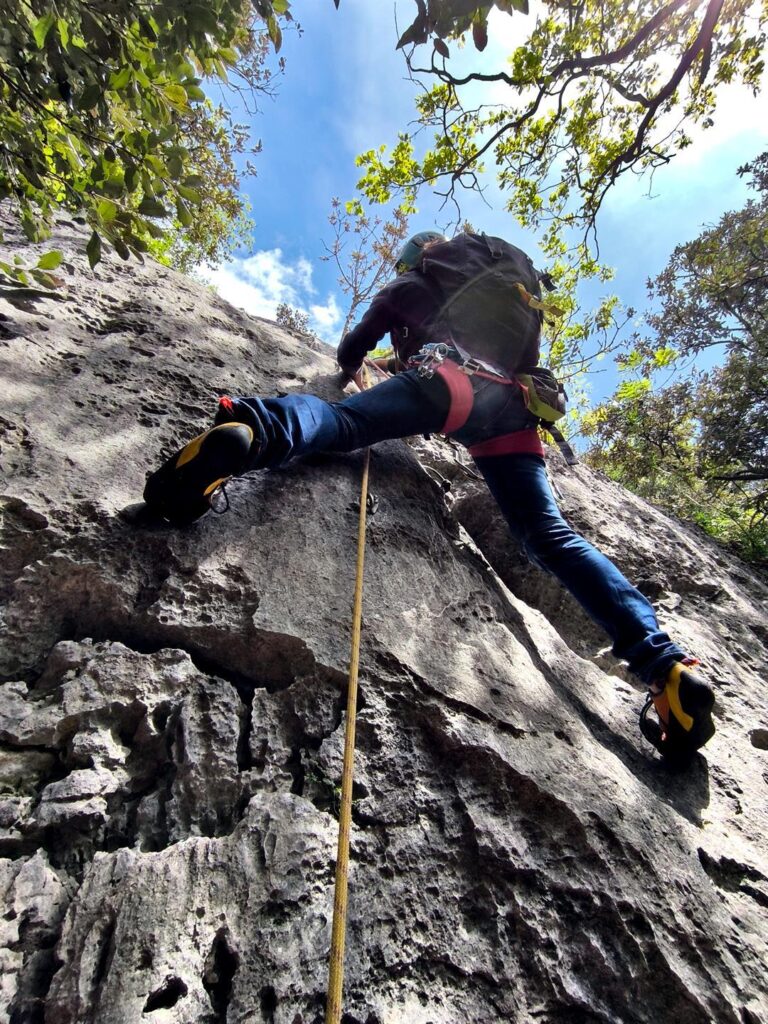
(260, 282)
(325, 319)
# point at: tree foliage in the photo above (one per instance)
(599, 88)
(102, 111)
(701, 443)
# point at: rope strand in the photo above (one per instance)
(338, 936)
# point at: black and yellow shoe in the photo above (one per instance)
(683, 705)
(182, 490)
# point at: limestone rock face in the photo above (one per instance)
(172, 716)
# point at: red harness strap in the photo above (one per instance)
(462, 396)
(519, 442)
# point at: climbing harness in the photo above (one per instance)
(544, 397)
(338, 935)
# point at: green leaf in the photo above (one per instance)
(107, 211)
(633, 390)
(42, 27)
(147, 29)
(44, 279)
(664, 356)
(93, 249)
(121, 249)
(50, 260)
(414, 34)
(131, 178)
(175, 166)
(137, 244)
(183, 213)
(89, 97)
(190, 194)
(121, 79)
(202, 19)
(30, 229)
(177, 94)
(274, 33)
(63, 29)
(149, 207)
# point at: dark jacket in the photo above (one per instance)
(407, 308)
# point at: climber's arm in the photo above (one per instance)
(376, 322)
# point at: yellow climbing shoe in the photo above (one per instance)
(182, 489)
(683, 703)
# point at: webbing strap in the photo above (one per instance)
(462, 396)
(567, 452)
(519, 442)
(338, 935)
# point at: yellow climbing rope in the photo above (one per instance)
(338, 936)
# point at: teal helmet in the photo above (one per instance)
(410, 254)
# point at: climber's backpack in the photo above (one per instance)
(492, 309)
(491, 290)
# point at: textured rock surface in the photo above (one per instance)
(171, 718)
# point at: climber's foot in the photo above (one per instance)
(683, 703)
(182, 489)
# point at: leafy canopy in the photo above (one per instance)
(599, 88)
(102, 111)
(700, 444)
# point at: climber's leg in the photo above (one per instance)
(255, 433)
(683, 702)
(519, 484)
(299, 424)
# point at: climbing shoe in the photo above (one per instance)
(683, 705)
(182, 490)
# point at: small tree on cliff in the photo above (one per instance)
(364, 249)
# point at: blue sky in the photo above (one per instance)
(345, 90)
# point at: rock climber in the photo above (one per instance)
(443, 387)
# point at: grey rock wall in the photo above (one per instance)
(171, 717)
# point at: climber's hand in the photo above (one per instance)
(346, 374)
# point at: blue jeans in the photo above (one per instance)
(407, 404)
